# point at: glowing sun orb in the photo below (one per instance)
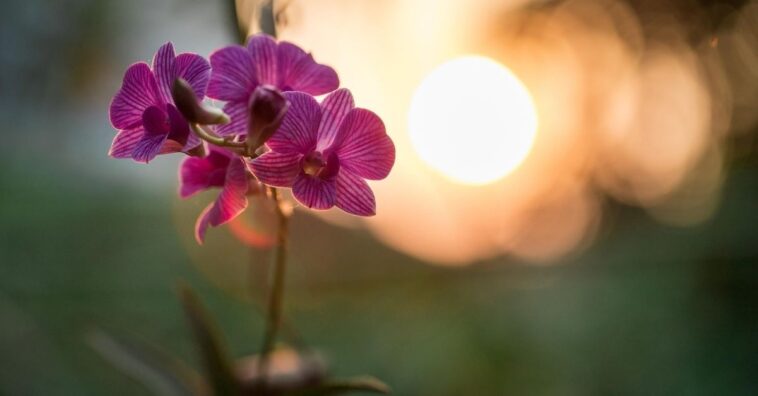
(472, 120)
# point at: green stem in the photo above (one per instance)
(276, 292)
(208, 136)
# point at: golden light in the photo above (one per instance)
(622, 116)
(472, 120)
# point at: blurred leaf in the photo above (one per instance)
(347, 385)
(215, 359)
(153, 368)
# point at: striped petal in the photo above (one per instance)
(192, 142)
(164, 67)
(232, 74)
(277, 169)
(299, 128)
(201, 225)
(233, 198)
(238, 113)
(363, 146)
(230, 202)
(314, 192)
(170, 146)
(263, 50)
(299, 72)
(148, 147)
(195, 70)
(198, 174)
(138, 92)
(125, 141)
(157, 128)
(334, 108)
(354, 195)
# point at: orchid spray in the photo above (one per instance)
(271, 134)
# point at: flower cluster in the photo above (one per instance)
(272, 132)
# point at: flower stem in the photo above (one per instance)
(208, 136)
(276, 292)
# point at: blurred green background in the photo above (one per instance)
(86, 241)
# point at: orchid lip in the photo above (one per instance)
(315, 165)
(178, 129)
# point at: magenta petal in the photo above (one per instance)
(263, 50)
(170, 146)
(201, 225)
(164, 67)
(363, 146)
(299, 72)
(125, 141)
(193, 176)
(354, 195)
(192, 142)
(197, 174)
(181, 138)
(138, 92)
(230, 202)
(155, 121)
(277, 169)
(335, 107)
(148, 147)
(179, 127)
(195, 70)
(232, 74)
(233, 198)
(238, 113)
(299, 128)
(314, 192)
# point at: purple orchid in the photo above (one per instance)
(144, 112)
(237, 71)
(220, 168)
(324, 152)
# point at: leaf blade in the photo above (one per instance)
(215, 359)
(154, 369)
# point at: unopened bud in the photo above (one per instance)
(191, 108)
(287, 371)
(267, 109)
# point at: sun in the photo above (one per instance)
(472, 120)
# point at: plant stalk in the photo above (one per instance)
(276, 292)
(208, 136)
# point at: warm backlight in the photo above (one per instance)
(472, 120)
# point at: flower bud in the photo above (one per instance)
(267, 109)
(288, 371)
(191, 108)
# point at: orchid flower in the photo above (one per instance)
(237, 71)
(144, 112)
(325, 151)
(219, 169)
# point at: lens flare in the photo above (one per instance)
(472, 120)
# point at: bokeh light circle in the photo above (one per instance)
(472, 120)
